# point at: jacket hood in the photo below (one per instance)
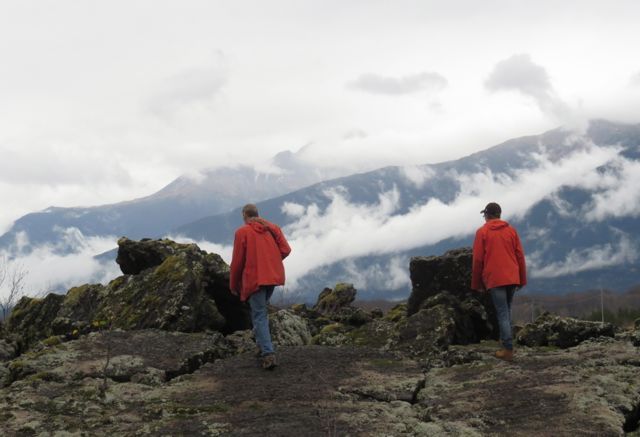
(259, 225)
(496, 224)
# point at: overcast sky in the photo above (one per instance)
(107, 101)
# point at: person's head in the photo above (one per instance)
(491, 211)
(249, 211)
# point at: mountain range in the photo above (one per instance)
(573, 196)
(185, 199)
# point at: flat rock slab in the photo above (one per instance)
(153, 355)
(592, 389)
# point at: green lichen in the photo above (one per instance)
(333, 328)
(397, 313)
(75, 294)
(365, 336)
(342, 287)
(52, 341)
(172, 269)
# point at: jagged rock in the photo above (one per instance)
(242, 341)
(185, 290)
(333, 301)
(289, 329)
(7, 350)
(451, 273)
(335, 305)
(563, 332)
(443, 320)
(31, 319)
(136, 256)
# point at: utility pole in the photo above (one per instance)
(602, 303)
(531, 310)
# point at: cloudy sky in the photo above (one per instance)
(107, 101)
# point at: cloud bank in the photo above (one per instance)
(345, 230)
(48, 270)
(576, 261)
(376, 84)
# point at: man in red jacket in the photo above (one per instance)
(256, 268)
(499, 267)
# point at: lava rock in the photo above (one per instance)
(450, 275)
(562, 332)
(333, 301)
(187, 292)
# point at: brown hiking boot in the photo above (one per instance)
(269, 362)
(504, 354)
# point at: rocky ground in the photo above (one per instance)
(422, 369)
(590, 389)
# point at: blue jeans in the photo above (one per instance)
(502, 297)
(258, 302)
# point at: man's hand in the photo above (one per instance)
(235, 293)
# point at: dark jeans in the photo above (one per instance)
(258, 302)
(502, 298)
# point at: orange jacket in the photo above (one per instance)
(258, 250)
(498, 257)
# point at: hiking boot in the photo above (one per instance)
(504, 354)
(269, 362)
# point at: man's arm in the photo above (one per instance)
(522, 266)
(237, 262)
(281, 241)
(478, 262)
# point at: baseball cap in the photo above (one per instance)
(492, 209)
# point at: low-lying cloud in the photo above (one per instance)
(345, 230)
(576, 261)
(376, 84)
(47, 270)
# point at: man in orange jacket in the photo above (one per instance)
(499, 267)
(256, 268)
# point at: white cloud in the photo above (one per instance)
(620, 192)
(576, 261)
(346, 230)
(390, 275)
(520, 73)
(417, 175)
(46, 268)
(376, 84)
(293, 209)
(196, 86)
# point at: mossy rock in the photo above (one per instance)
(397, 313)
(334, 334)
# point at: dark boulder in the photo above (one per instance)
(331, 301)
(31, 319)
(188, 292)
(444, 320)
(136, 256)
(450, 275)
(562, 332)
(335, 305)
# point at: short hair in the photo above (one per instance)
(492, 210)
(250, 210)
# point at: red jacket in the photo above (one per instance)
(498, 257)
(258, 250)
